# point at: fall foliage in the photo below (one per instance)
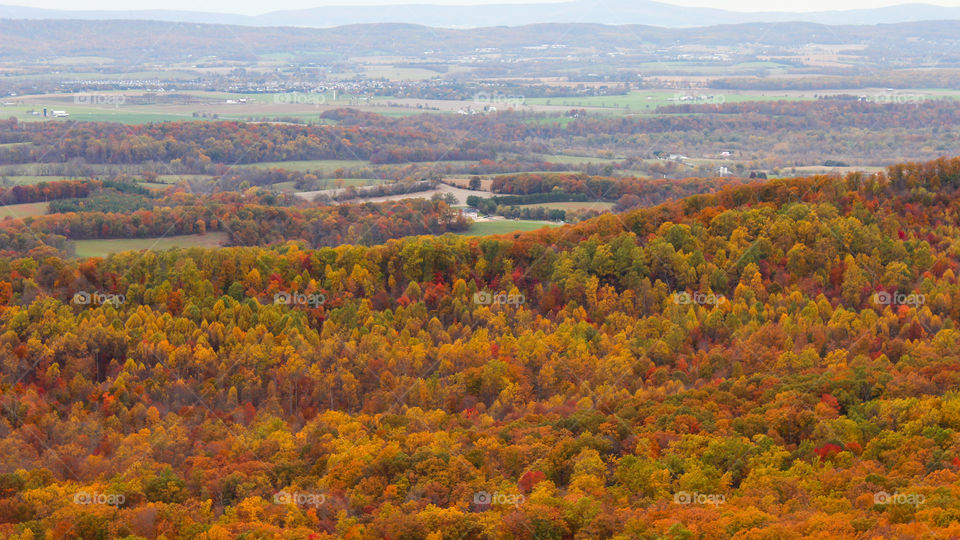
(777, 359)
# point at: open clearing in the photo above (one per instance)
(23, 180)
(102, 248)
(20, 211)
(649, 100)
(506, 226)
(464, 183)
(140, 106)
(329, 184)
(817, 169)
(459, 193)
(576, 160)
(319, 165)
(156, 185)
(131, 107)
(585, 205)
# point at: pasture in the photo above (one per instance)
(102, 248)
(505, 226)
(315, 165)
(575, 206)
(20, 211)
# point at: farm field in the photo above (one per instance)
(320, 165)
(575, 160)
(400, 74)
(36, 170)
(102, 248)
(458, 193)
(174, 178)
(506, 226)
(138, 107)
(31, 179)
(122, 115)
(648, 100)
(816, 169)
(586, 205)
(156, 185)
(19, 211)
(464, 183)
(331, 183)
(308, 107)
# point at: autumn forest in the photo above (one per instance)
(550, 282)
(772, 359)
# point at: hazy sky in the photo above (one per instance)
(255, 8)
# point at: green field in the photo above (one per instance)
(356, 182)
(156, 185)
(259, 106)
(321, 165)
(31, 179)
(329, 183)
(644, 101)
(328, 166)
(163, 180)
(101, 75)
(19, 211)
(395, 113)
(400, 73)
(561, 121)
(123, 115)
(102, 248)
(819, 169)
(648, 100)
(586, 205)
(507, 226)
(576, 160)
(174, 178)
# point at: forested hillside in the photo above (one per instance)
(773, 360)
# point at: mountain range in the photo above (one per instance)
(166, 41)
(172, 41)
(643, 12)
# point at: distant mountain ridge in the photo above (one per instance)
(644, 12)
(167, 41)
